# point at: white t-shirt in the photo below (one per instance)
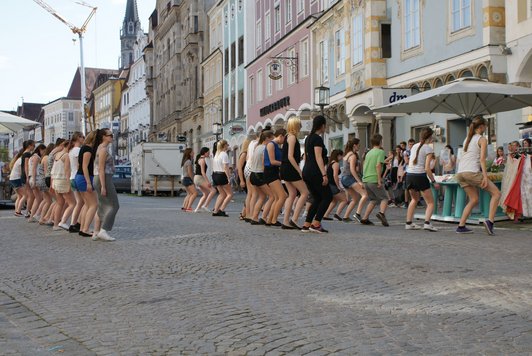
(74, 164)
(251, 148)
(16, 172)
(419, 168)
(220, 159)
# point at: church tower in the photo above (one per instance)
(128, 34)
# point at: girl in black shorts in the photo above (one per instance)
(256, 168)
(338, 192)
(272, 162)
(292, 175)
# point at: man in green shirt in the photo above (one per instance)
(373, 182)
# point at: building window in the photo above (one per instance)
(233, 55)
(339, 39)
(292, 72)
(358, 39)
(226, 59)
(304, 58)
(241, 50)
(259, 34)
(277, 18)
(280, 81)
(259, 86)
(269, 86)
(412, 18)
(196, 24)
(267, 26)
(324, 64)
(251, 91)
(460, 14)
(240, 103)
(288, 11)
(300, 6)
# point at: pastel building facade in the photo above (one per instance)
(281, 35)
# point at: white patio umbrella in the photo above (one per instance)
(465, 97)
(11, 123)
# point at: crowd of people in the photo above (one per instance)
(67, 185)
(308, 187)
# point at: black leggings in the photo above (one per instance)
(321, 198)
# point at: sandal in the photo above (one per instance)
(242, 217)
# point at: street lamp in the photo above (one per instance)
(322, 97)
(217, 130)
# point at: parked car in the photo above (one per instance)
(122, 179)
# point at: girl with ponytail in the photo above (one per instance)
(220, 178)
(473, 174)
(419, 179)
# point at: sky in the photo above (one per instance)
(38, 57)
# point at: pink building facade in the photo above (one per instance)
(281, 36)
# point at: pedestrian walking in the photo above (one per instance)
(16, 182)
(187, 180)
(352, 180)
(104, 169)
(220, 178)
(202, 181)
(84, 182)
(241, 167)
(272, 164)
(34, 180)
(292, 175)
(373, 182)
(473, 174)
(74, 147)
(315, 176)
(60, 175)
(338, 191)
(257, 179)
(419, 180)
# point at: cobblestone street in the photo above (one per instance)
(190, 284)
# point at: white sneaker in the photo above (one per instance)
(104, 236)
(205, 209)
(64, 226)
(94, 236)
(429, 227)
(412, 227)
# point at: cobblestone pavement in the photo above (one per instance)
(190, 284)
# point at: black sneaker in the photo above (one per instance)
(382, 218)
(326, 218)
(318, 229)
(488, 225)
(262, 221)
(84, 234)
(219, 213)
(253, 222)
(358, 218)
(223, 213)
(337, 217)
(366, 222)
(286, 227)
(305, 229)
(294, 225)
(276, 224)
(74, 228)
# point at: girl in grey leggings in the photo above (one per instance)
(104, 169)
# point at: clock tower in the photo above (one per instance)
(128, 35)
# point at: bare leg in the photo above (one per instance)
(429, 200)
(412, 206)
(77, 209)
(228, 196)
(292, 194)
(220, 199)
(71, 204)
(369, 209)
(363, 198)
(303, 197)
(342, 203)
(58, 209)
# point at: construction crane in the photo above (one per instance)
(78, 31)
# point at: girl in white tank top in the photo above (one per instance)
(470, 161)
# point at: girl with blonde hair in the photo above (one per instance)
(241, 166)
(292, 175)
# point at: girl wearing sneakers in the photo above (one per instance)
(338, 191)
(292, 175)
(315, 176)
(202, 181)
(104, 169)
(188, 183)
(220, 178)
(472, 174)
(352, 181)
(419, 179)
